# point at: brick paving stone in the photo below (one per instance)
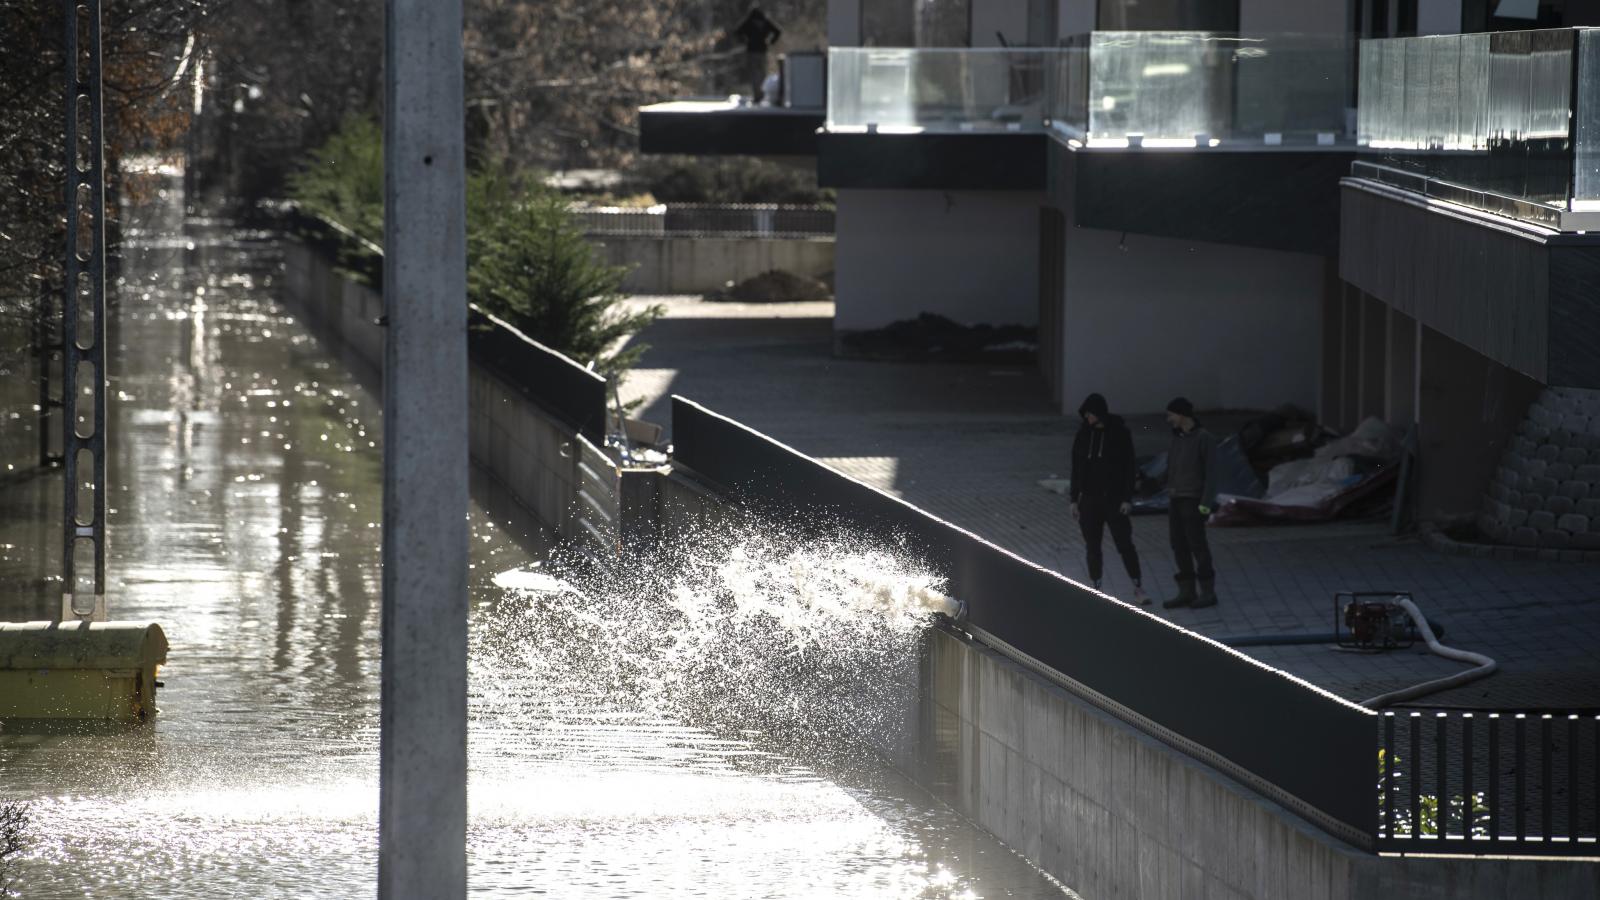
(969, 443)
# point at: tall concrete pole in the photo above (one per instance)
(422, 810)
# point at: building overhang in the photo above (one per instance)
(1520, 294)
(931, 160)
(724, 128)
(1273, 198)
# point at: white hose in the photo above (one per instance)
(1484, 664)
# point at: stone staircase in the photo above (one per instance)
(1546, 491)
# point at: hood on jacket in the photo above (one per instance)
(1094, 403)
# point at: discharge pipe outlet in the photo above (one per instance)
(1484, 665)
(949, 607)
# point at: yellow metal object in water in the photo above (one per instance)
(80, 670)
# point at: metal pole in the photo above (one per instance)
(83, 325)
(422, 814)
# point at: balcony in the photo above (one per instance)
(732, 126)
(897, 90)
(1108, 89)
(935, 118)
(1506, 123)
(1183, 134)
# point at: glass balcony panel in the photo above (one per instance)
(1490, 117)
(935, 89)
(1586, 164)
(1186, 87)
(1110, 88)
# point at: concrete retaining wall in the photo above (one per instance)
(970, 256)
(1113, 812)
(530, 453)
(698, 265)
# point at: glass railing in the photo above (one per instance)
(892, 89)
(1187, 89)
(1113, 89)
(1506, 121)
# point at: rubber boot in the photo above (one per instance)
(1208, 593)
(1185, 596)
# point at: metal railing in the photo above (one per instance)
(1479, 783)
(744, 220)
(1519, 208)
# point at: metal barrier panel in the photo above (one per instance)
(566, 390)
(598, 509)
(1300, 745)
(1481, 783)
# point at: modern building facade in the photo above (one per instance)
(1248, 202)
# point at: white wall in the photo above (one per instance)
(1146, 319)
(967, 255)
(1308, 16)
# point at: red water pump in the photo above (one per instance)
(1372, 621)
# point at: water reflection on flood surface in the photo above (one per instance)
(246, 478)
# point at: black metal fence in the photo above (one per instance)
(1301, 746)
(1489, 783)
(691, 220)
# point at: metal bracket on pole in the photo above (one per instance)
(83, 326)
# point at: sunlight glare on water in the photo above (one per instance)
(687, 726)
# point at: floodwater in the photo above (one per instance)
(246, 476)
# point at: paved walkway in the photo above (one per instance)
(970, 444)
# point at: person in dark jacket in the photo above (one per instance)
(1102, 488)
(1192, 491)
(758, 33)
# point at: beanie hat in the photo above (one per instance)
(1181, 406)
(1094, 403)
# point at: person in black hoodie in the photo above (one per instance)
(1102, 488)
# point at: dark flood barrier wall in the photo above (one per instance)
(1304, 747)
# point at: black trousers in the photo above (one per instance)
(1189, 547)
(1095, 514)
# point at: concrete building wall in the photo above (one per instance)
(970, 256)
(844, 23)
(696, 265)
(1147, 318)
(1313, 17)
(1468, 409)
(1466, 406)
(1438, 16)
(1008, 17)
(1074, 17)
